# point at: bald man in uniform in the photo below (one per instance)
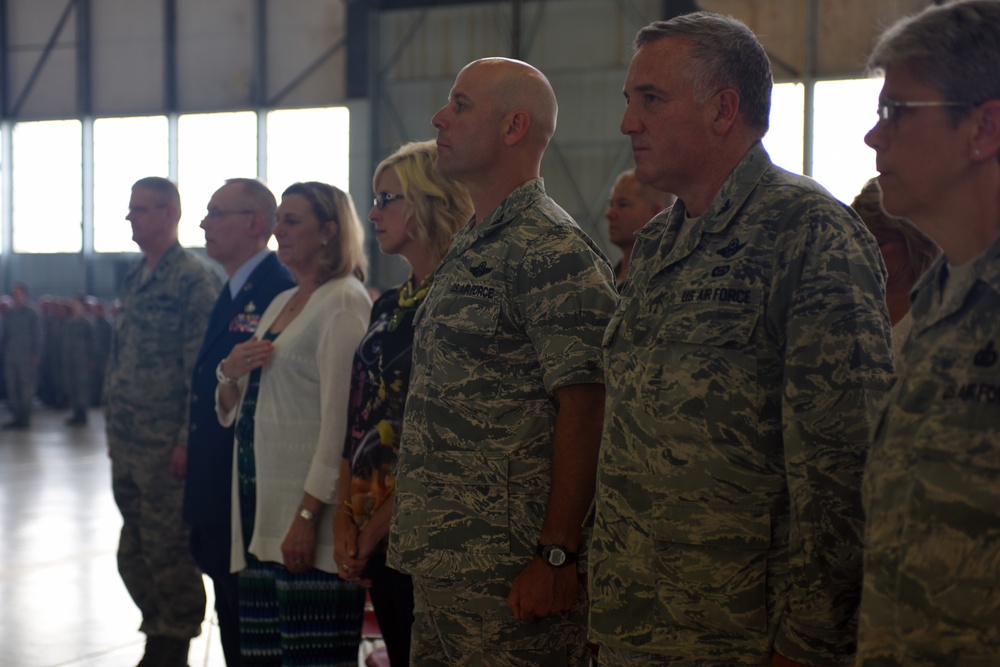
(631, 205)
(502, 426)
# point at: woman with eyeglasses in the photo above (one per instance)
(931, 593)
(286, 389)
(415, 213)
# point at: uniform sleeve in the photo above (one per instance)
(828, 310)
(565, 293)
(202, 290)
(342, 333)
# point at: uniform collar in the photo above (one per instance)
(511, 207)
(737, 188)
(928, 292)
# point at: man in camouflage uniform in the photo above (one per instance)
(166, 300)
(631, 205)
(499, 442)
(79, 352)
(22, 345)
(750, 340)
(932, 485)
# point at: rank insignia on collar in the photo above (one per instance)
(986, 357)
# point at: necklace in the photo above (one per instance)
(408, 298)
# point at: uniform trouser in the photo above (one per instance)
(153, 555)
(20, 377)
(210, 547)
(467, 623)
(78, 383)
(392, 597)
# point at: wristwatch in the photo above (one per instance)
(222, 377)
(557, 555)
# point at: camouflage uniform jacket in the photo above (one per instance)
(157, 336)
(517, 309)
(932, 485)
(740, 367)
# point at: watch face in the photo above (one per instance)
(555, 556)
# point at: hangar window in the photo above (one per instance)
(47, 194)
(210, 149)
(844, 112)
(307, 145)
(125, 150)
(783, 140)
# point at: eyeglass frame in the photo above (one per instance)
(218, 214)
(888, 109)
(383, 199)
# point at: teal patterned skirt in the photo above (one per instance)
(289, 620)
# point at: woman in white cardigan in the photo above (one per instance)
(286, 389)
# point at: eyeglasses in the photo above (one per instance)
(143, 210)
(888, 110)
(382, 199)
(217, 213)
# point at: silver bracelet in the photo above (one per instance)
(221, 376)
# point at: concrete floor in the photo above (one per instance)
(62, 603)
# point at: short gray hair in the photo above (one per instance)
(164, 189)
(259, 197)
(952, 48)
(726, 54)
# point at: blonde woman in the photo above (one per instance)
(415, 213)
(286, 389)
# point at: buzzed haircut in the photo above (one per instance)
(164, 188)
(648, 192)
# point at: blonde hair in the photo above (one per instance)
(920, 250)
(346, 255)
(440, 206)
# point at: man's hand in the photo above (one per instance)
(178, 461)
(542, 590)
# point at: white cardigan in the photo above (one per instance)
(301, 418)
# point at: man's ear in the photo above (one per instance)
(516, 126)
(257, 224)
(985, 142)
(726, 105)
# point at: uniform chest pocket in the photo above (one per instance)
(709, 350)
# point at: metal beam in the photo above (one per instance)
(170, 101)
(84, 66)
(46, 52)
(261, 55)
(359, 25)
(811, 35)
(4, 60)
(389, 5)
